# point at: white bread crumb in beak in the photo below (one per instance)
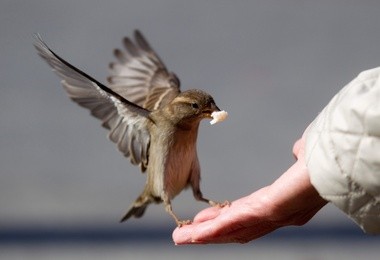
(218, 116)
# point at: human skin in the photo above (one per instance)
(290, 200)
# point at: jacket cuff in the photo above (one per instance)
(343, 151)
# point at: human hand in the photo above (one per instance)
(290, 200)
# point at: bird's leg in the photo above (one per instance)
(199, 196)
(168, 208)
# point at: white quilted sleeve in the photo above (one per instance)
(343, 150)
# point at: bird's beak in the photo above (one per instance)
(212, 108)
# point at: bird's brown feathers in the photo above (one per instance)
(125, 120)
(139, 75)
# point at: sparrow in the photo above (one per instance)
(148, 117)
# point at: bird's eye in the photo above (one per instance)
(194, 105)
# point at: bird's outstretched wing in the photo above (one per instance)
(140, 76)
(126, 121)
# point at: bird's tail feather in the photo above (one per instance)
(135, 211)
(138, 207)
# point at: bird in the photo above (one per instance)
(149, 118)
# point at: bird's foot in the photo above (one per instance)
(181, 223)
(220, 204)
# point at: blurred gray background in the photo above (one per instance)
(272, 65)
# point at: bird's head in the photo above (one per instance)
(191, 106)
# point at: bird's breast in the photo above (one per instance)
(172, 160)
(179, 165)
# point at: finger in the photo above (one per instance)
(296, 148)
(202, 222)
(197, 232)
(243, 235)
(216, 223)
(217, 228)
(207, 214)
(183, 235)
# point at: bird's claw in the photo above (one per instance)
(220, 204)
(181, 223)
